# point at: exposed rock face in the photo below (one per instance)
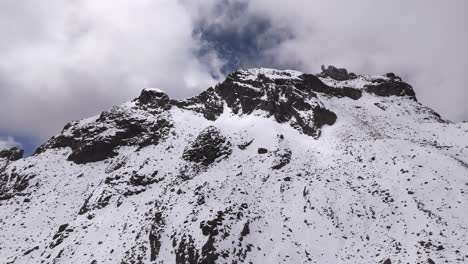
(141, 124)
(13, 183)
(207, 103)
(394, 87)
(12, 154)
(282, 97)
(153, 98)
(313, 83)
(339, 74)
(209, 146)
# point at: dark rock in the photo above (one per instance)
(101, 201)
(55, 142)
(13, 183)
(391, 88)
(91, 143)
(312, 83)
(245, 145)
(62, 233)
(430, 261)
(245, 230)
(262, 150)
(94, 151)
(144, 180)
(324, 117)
(12, 154)
(207, 103)
(209, 146)
(62, 228)
(287, 100)
(27, 252)
(387, 261)
(186, 253)
(210, 228)
(153, 98)
(155, 235)
(393, 76)
(283, 157)
(339, 74)
(390, 75)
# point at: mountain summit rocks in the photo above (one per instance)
(281, 96)
(12, 154)
(339, 74)
(153, 98)
(268, 166)
(287, 96)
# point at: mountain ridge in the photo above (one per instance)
(268, 166)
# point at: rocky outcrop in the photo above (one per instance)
(209, 146)
(208, 103)
(12, 154)
(339, 74)
(141, 125)
(153, 99)
(393, 87)
(13, 183)
(287, 100)
(310, 81)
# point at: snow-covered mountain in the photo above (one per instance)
(269, 166)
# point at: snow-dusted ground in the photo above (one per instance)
(388, 180)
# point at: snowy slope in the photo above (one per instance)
(267, 167)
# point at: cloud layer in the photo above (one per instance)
(71, 59)
(8, 142)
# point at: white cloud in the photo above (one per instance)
(71, 59)
(423, 41)
(8, 142)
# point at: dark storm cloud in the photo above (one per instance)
(66, 60)
(238, 36)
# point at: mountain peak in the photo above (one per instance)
(153, 98)
(287, 96)
(268, 166)
(253, 73)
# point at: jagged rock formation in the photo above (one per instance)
(268, 166)
(12, 154)
(140, 123)
(339, 74)
(286, 97)
(208, 147)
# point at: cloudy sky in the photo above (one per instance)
(63, 60)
